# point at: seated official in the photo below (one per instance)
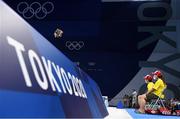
(142, 98)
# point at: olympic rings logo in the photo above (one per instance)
(35, 9)
(74, 45)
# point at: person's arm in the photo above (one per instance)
(150, 91)
(150, 88)
(155, 87)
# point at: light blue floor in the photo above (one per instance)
(149, 116)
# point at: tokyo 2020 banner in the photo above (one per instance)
(37, 80)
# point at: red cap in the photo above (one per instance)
(148, 77)
(157, 73)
